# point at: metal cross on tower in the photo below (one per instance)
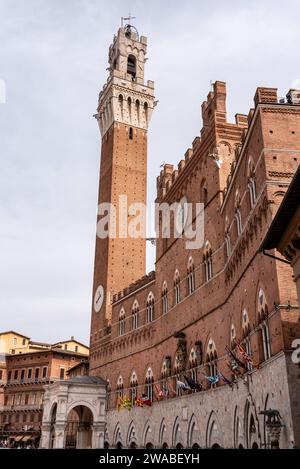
(127, 18)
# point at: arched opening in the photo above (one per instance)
(53, 422)
(119, 445)
(193, 433)
(214, 437)
(165, 446)
(196, 446)
(255, 445)
(149, 446)
(264, 345)
(133, 445)
(106, 445)
(241, 447)
(131, 66)
(150, 308)
(179, 446)
(133, 388)
(176, 288)
(79, 428)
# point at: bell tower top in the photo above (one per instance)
(127, 55)
(125, 97)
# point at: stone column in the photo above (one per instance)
(84, 438)
(98, 436)
(46, 435)
(60, 431)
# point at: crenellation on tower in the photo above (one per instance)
(125, 98)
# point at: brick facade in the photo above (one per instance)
(22, 391)
(180, 319)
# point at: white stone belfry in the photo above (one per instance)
(125, 98)
(85, 395)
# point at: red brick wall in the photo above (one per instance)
(211, 310)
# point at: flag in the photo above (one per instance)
(234, 357)
(244, 354)
(146, 401)
(139, 402)
(183, 386)
(119, 403)
(213, 379)
(159, 393)
(126, 403)
(248, 359)
(225, 380)
(193, 384)
(234, 368)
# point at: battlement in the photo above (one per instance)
(265, 95)
(214, 108)
(132, 288)
(214, 112)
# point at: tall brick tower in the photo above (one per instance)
(124, 112)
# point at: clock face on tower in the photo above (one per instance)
(98, 300)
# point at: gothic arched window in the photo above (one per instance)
(238, 214)
(122, 322)
(133, 388)
(149, 383)
(251, 182)
(211, 360)
(164, 298)
(208, 263)
(191, 276)
(264, 341)
(178, 375)
(227, 238)
(135, 315)
(193, 365)
(246, 330)
(176, 288)
(120, 387)
(150, 308)
(131, 66)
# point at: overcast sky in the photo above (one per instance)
(53, 59)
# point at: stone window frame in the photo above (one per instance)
(208, 262)
(149, 384)
(150, 308)
(212, 361)
(177, 296)
(122, 322)
(191, 277)
(133, 392)
(135, 315)
(164, 298)
(263, 313)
